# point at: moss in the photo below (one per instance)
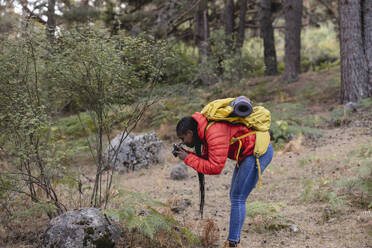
(104, 241)
(89, 230)
(86, 238)
(82, 223)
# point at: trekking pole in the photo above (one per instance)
(201, 183)
(202, 195)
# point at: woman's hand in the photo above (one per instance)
(182, 154)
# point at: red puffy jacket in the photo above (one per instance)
(216, 145)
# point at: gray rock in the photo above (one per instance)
(85, 228)
(179, 172)
(350, 107)
(178, 207)
(134, 152)
(293, 228)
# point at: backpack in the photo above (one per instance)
(259, 120)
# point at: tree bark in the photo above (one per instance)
(367, 36)
(201, 28)
(201, 40)
(229, 23)
(293, 23)
(354, 69)
(267, 34)
(242, 21)
(51, 23)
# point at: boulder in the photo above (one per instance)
(134, 152)
(179, 172)
(84, 228)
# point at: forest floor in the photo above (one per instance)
(283, 194)
(304, 186)
(309, 195)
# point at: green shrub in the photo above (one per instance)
(337, 116)
(320, 46)
(292, 119)
(179, 67)
(366, 103)
(322, 190)
(76, 127)
(358, 187)
(34, 163)
(267, 216)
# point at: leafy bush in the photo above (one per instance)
(101, 74)
(180, 67)
(75, 126)
(34, 164)
(234, 65)
(320, 46)
(290, 119)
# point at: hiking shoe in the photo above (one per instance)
(227, 245)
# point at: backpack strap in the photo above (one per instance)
(235, 139)
(208, 126)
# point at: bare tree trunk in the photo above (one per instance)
(354, 69)
(201, 39)
(293, 23)
(267, 34)
(51, 23)
(242, 21)
(201, 28)
(229, 23)
(367, 36)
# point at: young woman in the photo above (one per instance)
(215, 138)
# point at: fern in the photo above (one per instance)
(138, 214)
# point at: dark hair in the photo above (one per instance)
(187, 123)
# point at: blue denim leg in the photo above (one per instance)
(244, 179)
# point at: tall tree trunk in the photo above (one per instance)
(367, 36)
(201, 39)
(201, 28)
(354, 69)
(229, 23)
(267, 34)
(293, 23)
(51, 23)
(242, 21)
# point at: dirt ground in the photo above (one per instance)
(282, 183)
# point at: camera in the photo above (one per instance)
(176, 148)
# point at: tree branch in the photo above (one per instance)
(31, 13)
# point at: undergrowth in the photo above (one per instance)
(149, 223)
(267, 216)
(354, 190)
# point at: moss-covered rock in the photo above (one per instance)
(81, 228)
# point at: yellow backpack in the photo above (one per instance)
(259, 120)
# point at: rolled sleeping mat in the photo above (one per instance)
(242, 106)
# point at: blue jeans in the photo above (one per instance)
(243, 181)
